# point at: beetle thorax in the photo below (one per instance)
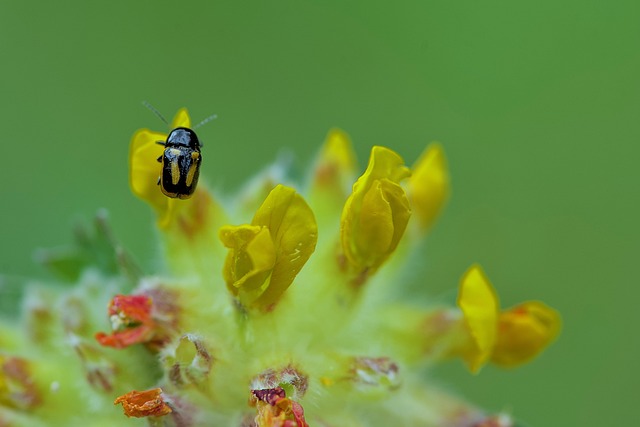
(183, 137)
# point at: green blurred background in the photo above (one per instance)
(536, 103)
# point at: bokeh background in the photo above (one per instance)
(537, 105)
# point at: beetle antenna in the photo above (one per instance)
(154, 111)
(207, 120)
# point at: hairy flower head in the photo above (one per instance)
(279, 309)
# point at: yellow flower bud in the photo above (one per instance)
(523, 332)
(429, 186)
(333, 176)
(335, 168)
(376, 214)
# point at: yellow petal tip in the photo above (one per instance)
(336, 162)
(429, 186)
(181, 119)
(479, 304)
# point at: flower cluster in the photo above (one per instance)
(281, 309)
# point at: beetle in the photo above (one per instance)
(181, 161)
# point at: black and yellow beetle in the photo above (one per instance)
(180, 163)
(180, 160)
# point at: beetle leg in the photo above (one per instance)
(160, 159)
(159, 180)
(160, 143)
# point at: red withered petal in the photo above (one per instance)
(134, 308)
(122, 339)
(149, 403)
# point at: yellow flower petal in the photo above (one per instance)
(144, 168)
(266, 256)
(333, 175)
(429, 186)
(181, 119)
(375, 216)
(524, 331)
(250, 260)
(479, 304)
(294, 231)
